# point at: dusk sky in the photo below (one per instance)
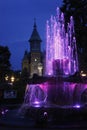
(16, 24)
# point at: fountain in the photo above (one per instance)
(61, 50)
(58, 98)
(61, 65)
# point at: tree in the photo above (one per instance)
(78, 9)
(4, 62)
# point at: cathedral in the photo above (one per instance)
(32, 61)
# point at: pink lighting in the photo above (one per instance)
(77, 106)
(3, 112)
(36, 94)
(63, 87)
(36, 102)
(61, 50)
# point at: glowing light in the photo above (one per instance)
(61, 50)
(36, 102)
(83, 75)
(36, 94)
(6, 110)
(12, 79)
(45, 113)
(77, 106)
(3, 112)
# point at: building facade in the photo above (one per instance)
(32, 61)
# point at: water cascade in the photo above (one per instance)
(61, 51)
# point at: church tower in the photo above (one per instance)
(35, 52)
(32, 61)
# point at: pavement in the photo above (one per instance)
(12, 120)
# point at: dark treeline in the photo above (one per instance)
(78, 9)
(4, 62)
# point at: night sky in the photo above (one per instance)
(16, 24)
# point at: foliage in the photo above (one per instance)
(4, 62)
(78, 9)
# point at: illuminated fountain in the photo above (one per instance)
(35, 94)
(61, 51)
(61, 64)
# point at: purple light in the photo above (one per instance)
(36, 94)
(6, 110)
(3, 112)
(61, 47)
(45, 113)
(36, 102)
(77, 106)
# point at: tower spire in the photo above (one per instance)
(35, 23)
(35, 35)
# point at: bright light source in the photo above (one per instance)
(12, 79)
(36, 102)
(83, 75)
(77, 106)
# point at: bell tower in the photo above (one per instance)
(35, 52)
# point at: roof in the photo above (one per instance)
(25, 55)
(35, 35)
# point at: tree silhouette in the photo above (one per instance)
(78, 9)
(4, 62)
